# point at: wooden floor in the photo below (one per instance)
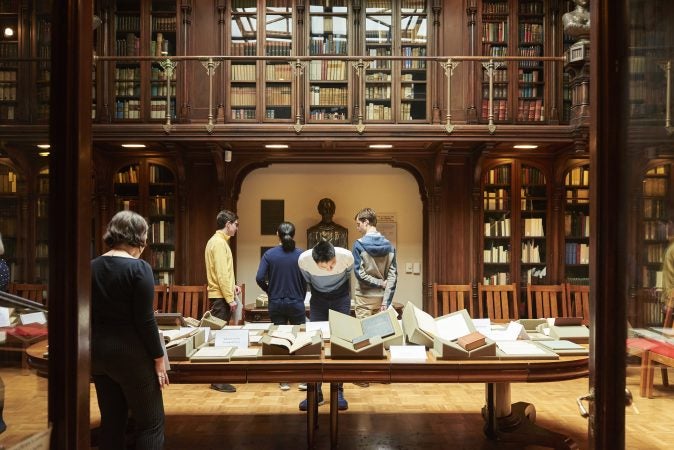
(395, 416)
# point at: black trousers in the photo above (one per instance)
(220, 309)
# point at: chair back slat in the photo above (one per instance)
(448, 298)
(29, 291)
(498, 302)
(546, 300)
(160, 297)
(578, 301)
(190, 301)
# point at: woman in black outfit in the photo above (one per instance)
(127, 358)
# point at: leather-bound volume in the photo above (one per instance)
(568, 321)
(472, 341)
(360, 342)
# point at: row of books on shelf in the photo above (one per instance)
(8, 6)
(244, 72)
(161, 206)
(577, 196)
(496, 278)
(646, 97)
(127, 109)
(158, 109)
(496, 254)
(329, 45)
(415, 34)
(162, 259)
(495, 31)
(129, 46)
(325, 70)
(491, 7)
(529, 91)
(577, 253)
(499, 76)
(494, 50)
(125, 22)
(337, 114)
(529, 76)
(656, 231)
(161, 232)
(8, 75)
(127, 205)
(42, 249)
(243, 48)
(164, 23)
(278, 48)
(496, 200)
(578, 176)
(7, 92)
(160, 174)
(278, 72)
(163, 277)
(129, 175)
(655, 186)
(531, 176)
(8, 50)
(243, 113)
(652, 278)
(328, 96)
(654, 253)
(42, 209)
(530, 110)
(160, 46)
(576, 224)
(530, 252)
(278, 95)
(578, 281)
(530, 32)
(127, 88)
(497, 227)
(7, 112)
(377, 112)
(500, 109)
(8, 183)
(159, 89)
(534, 227)
(498, 175)
(43, 184)
(379, 76)
(127, 74)
(381, 92)
(278, 112)
(406, 112)
(158, 74)
(243, 95)
(378, 36)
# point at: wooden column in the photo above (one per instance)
(70, 224)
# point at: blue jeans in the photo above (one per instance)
(287, 311)
(320, 306)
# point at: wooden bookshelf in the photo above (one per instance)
(654, 236)
(11, 193)
(242, 100)
(329, 79)
(127, 74)
(414, 28)
(577, 225)
(495, 29)
(42, 50)
(163, 40)
(278, 75)
(497, 225)
(379, 75)
(42, 227)
(149, 189)
(533, 225)
(531, 74)
(9, 70)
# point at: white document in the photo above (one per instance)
(666, 331)
(322, 326)
(4, 317)
(562, 345)
(511, 333)
(452, 327)
(209, 352)
(483, 326)
(36, 317)
(410, 354)
(255, 338)
(285, 328)
(245, 352)
(257, 326)
(523, 348)
(231, 338)
(425, 322)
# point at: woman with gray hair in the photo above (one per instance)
(127, 357)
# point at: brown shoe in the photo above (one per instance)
(363, 384)
(223, 387)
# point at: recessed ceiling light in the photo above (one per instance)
(276, 146)
(381, 145)
(525, 146)
(43, 153)
(43, 146)
(133, 145)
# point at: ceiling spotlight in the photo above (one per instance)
(43, 146)
(381, 145)
(9, 32)
(43, 153)
(525, 146)
(133, 145)
(276, 146)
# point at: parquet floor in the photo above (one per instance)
(382, 417)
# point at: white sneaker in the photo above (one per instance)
(284, 386)
(302, 387)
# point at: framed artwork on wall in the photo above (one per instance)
(271, 215)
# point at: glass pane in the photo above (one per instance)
(243, 75)
(278, 74)
(496, 207)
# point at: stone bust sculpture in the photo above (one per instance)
(577, 22)
(326, 229)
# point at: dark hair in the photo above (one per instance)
(286, 232)
(225, 216)
(126, 227)
(324, 251)
(367, 214)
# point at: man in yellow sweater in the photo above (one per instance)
(222, 289)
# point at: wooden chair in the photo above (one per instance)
(160, 297)
(546, 300)
(190, 301)
(498, 302)
(661, 353)
(578, 302)
(34, 292)
(448, 298)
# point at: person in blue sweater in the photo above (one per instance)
(327, 269)
(279, 276)
(375, 266)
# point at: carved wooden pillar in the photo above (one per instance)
(435, 50)
(222, 47)
(435, 241)
(186, 15)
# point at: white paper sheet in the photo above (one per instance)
(409, 354)
(452, 327)
(322, 326)
(523, 348)
(231, 338)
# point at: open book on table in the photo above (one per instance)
(279, 343)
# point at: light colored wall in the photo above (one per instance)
(352, 187)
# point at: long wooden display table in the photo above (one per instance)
(503, 420)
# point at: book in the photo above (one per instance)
(472, 341)
(281, 343)
(292, 342)
(364, 338)
(208, 353)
